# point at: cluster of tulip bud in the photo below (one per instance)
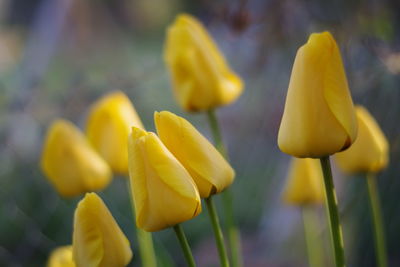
(172, 170)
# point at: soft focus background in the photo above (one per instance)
(58, 56)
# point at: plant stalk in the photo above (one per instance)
(332, 213)
(227, 198)
(377, 219)
(219, 238)
(184, 245)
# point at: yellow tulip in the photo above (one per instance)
(210, 171)
(61, 257)
(108, 126)
(163, 191)
(304, 183)
(97, 239)
(319, 118)
(370, 152)
(70, 163)
(201, 77)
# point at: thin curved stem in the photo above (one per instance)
(227, 198)
(219, 238)
(184, 245)
(377, 219)
(332, 213)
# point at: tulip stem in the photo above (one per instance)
(219, 238)
(216, 132)
(145, 240)
(379, 233)
(184, 245)
(332, 212)
(227, 198)
(310, 222)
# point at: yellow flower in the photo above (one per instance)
(97, 240)
(70, 163)
(108, 126)
(61, 257)
(163, 191)
(210, 171)
(304, 182)
(202, 79)
(319, 118)
(370, 152)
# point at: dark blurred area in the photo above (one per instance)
(58, 56)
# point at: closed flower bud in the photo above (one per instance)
(370, 151)
(202, 79)
(61, 257)
(108, 126)
(70, 163)
(319, 118)
(163, 191)
(97, 240)
(304, 183)
(210, 171)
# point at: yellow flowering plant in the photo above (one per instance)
(304, 189)
(304, 184)
(203, 81)
(201, 77)
(369, 154)
(164, 193)
(319, 118)
(208, 168)
(370, 151)
(69, 162)
(107, 128)
(97, 239)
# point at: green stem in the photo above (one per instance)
(184, 245)
(227, 198)
(216, 132)
(310, 222)
(379, 233)
(219, 238)
(145, 240)
(332, 212)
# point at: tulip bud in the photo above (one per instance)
(370, 151)
(163, 191)
(208, 168)
(108, 126)
(70, 163)
(304, 183)
(319, 118)
(202, 79)
(97, 239)
(61, 257)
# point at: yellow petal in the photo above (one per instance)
(318, 118)
(370, 151)
(97, 239)
(201, 78)
(70, 163)
(163, 191)
(304, 183)
(108, 126)
(210, 171)
(61, 257)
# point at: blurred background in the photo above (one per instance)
(58, 56)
